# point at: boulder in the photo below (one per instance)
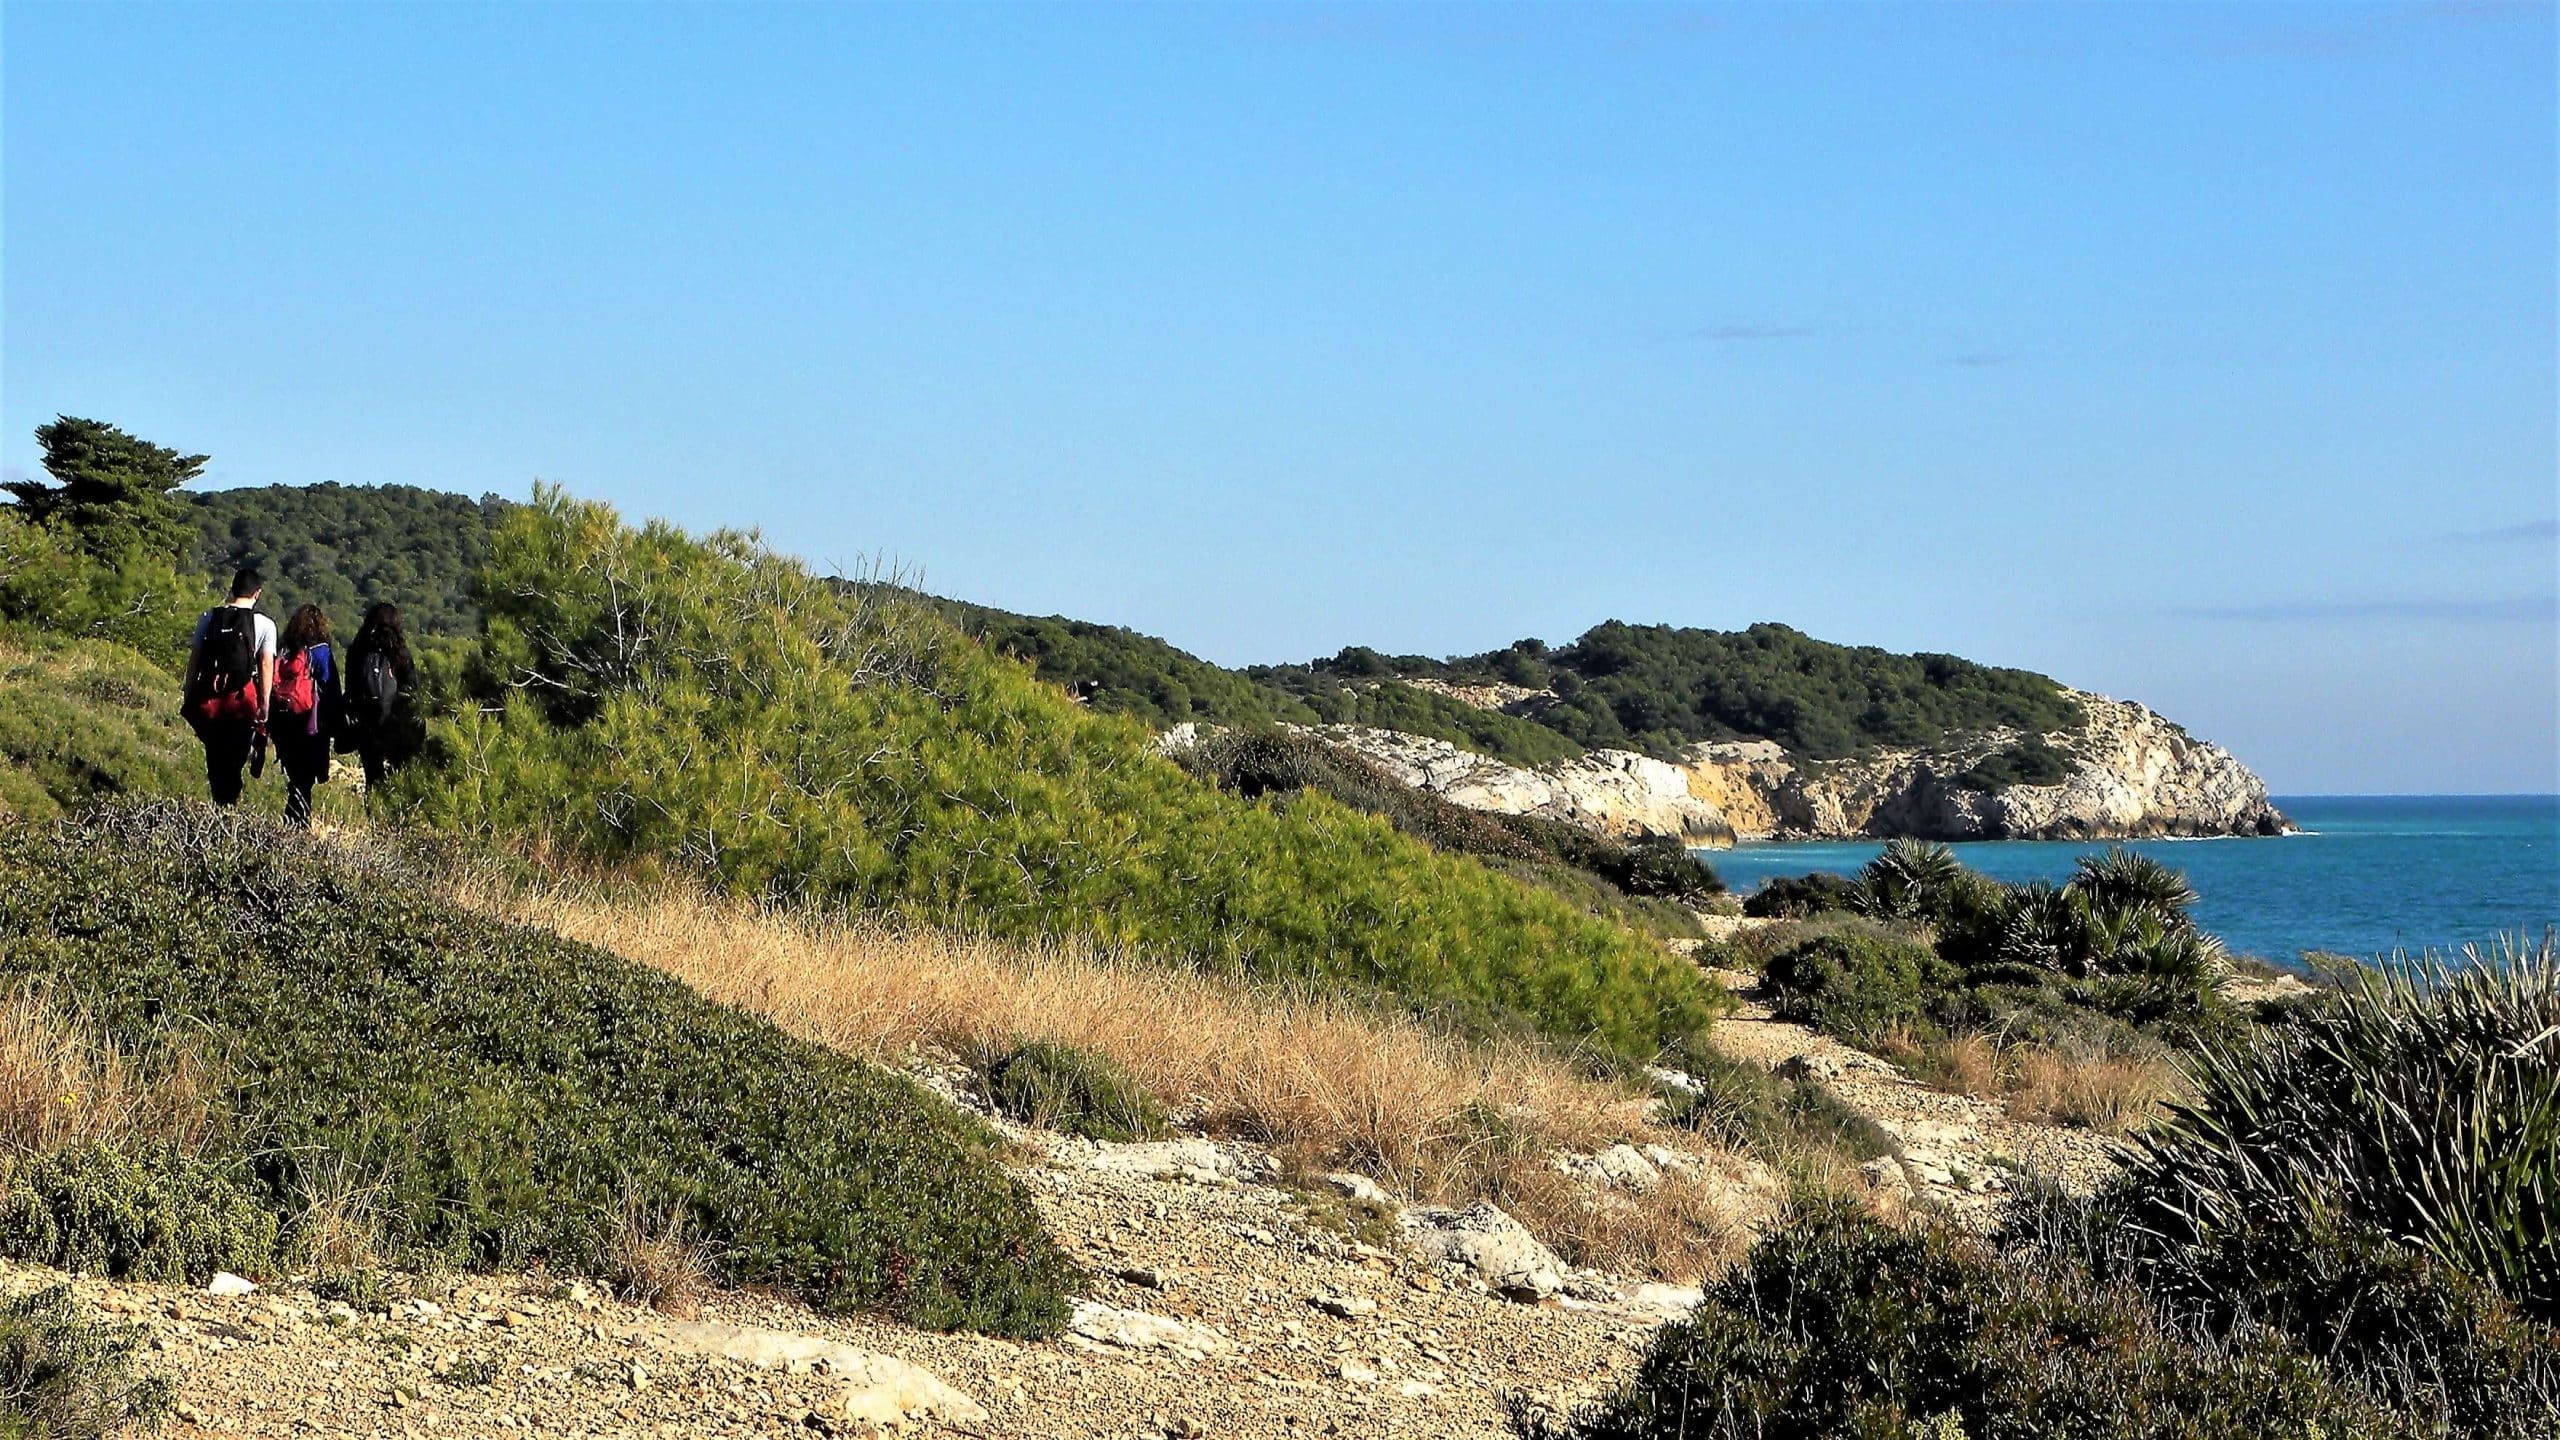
(1488, 1244)
(879, 1389)
(1139, 1330)
(1205, 1161)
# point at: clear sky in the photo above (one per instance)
(2202, 355)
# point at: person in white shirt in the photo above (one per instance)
(231, 674)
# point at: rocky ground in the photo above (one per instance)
(1959, 1153)
(1223, 1304)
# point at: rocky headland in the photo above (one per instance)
(2131, 774)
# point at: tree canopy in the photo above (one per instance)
(110, 490)
(342, 547)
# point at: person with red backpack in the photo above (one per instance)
(231, 672)
(303, 717)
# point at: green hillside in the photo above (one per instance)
(1127, 673)
(647, 696)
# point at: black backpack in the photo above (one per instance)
(227, 656)
(375, 692)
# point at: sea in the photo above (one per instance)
(2368, 876)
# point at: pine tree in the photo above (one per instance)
(110, 490)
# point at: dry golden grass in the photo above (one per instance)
(2091, 1085)
(1327, 1084)
(64, 1084)
(658, 1263)
(2099, 1090)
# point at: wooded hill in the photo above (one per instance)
(1644, 687)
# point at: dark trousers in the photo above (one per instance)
(306, 763)
(374, 750)
(226, 752)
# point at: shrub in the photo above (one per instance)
(1910, 880)
(82, 720)
(2032, 761)
(707, 704)
(2422, 1103)
(1800, 897)
(1855, 983)
(144, 1214)
(66, 1377)
(510, 1089)
(1838, 1326)
(1060, 1087)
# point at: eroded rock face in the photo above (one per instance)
(1611, 792)
(2134, 774)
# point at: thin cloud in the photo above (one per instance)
(2529, 533)
(1978, 359)
(2497, 611)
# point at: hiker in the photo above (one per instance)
(378, 677)
(231, 670)
(303, 715)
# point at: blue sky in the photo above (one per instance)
(2202, 355)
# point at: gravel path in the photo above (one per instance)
(485, 1355)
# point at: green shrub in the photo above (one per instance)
(1744, 1107)
(152, 1214)
(1800, 897)
(1837, 1326)
(1060, 1087)
(512, 1091)
(2032, 761)
(1856, 983)
(2422, 1102)
(66, 1377)
(707, 704)
(84, 719)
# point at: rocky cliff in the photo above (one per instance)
(2130, 774)
(1613, 792)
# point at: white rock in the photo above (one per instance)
(1358, 1187)
(1664, 1302)
(1138, 1330)
(1355, 1372)
(1205, 1161)
(226, 1283)
(1489, 1244)
(1811, 1068)
(879, 1389)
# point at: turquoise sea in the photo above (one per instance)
(2370, 874)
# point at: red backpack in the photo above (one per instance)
(297, 693)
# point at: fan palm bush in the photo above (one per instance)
(1911, 880)
(2422, 1104)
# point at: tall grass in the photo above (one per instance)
(66, 1084)
(1328, 1083)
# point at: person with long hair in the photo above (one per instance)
(380, 676)
(302, 719)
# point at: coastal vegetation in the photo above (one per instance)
(500, 1095)
(1660, 687)
(1327, 1082)
(1652, 884)
(645, 697)
(2346, 1231)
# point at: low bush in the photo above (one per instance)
(1838, 1326)
(1800, 897)
(1060, 1087)
(507, 1090)
(1855, 983)
(1327, 1082)
(150, 1213)
(64, 1376)
(1606, 876)
(87, 719)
